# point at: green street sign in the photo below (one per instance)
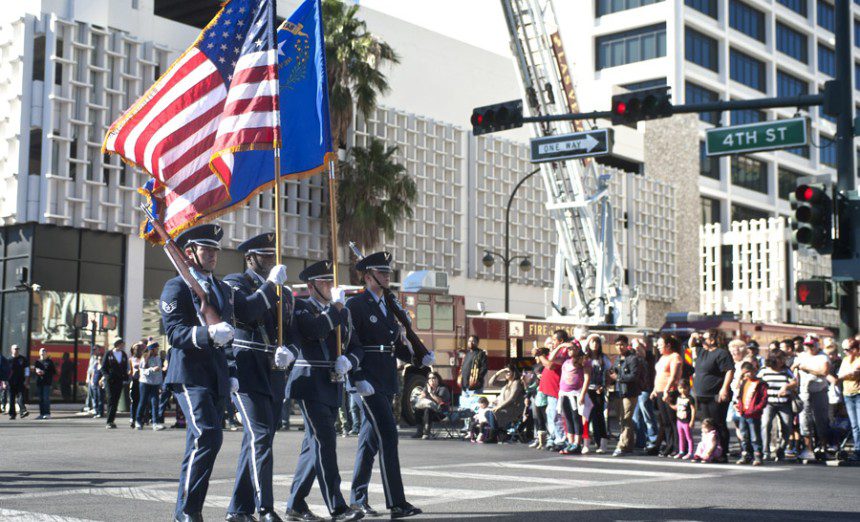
(767, 135)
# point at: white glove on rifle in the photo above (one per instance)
(364, 388)
(221, 333)
(428, 359)
(277, 275)
(283, 357)
(342, 365)
(234, 385)
(338, 294)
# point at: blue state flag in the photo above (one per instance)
(306, 146)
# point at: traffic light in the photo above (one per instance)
(644, 104)
(846, 238)
(812, 217)
(817, 293)
(497, 117)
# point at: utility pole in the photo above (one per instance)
(845, 155)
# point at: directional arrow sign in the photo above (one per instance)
(577, 145)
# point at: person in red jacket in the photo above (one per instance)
(751, 402)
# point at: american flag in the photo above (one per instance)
(219, 98)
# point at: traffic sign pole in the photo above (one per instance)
(845, 180)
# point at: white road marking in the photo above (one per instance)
(579, 502)
(496, 478)
(578, 469)
(27, 516)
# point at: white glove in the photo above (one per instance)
(283, 357)
(221, 333)
(338, 294)
(342, 365)
(428, 359)
(364, 388)
(234, 385)
(277, 275)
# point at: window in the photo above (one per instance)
(786, 182)
(856, 33)
(58, 67)
(827, 151)
(710, 211)
(637, 45)
(791, 43)
(709, 166)
(443, 313)
(826, 16)
(798, 6)
(749, 173)
(788, 85)
(857, 76)
(742, 116)
(35, 159)
(826, 60)
(605, 7)
(39, 59)
(742, 213)
(700, 49)
(697, 94)
(645, 84)
(746, 20)
(709, 7)
(747, 70)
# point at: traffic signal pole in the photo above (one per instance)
(845, 154)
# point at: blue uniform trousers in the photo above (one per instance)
(203, 411)
(253, 488)
(318, 458)
(279, 388)
(378, 435)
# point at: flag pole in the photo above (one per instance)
(332, 199)
(276, 115)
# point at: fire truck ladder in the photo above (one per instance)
(586, 264)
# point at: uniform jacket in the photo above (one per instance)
(113, 370)
(310, 378)
(379, 336)
(195, 361)
(256, 308)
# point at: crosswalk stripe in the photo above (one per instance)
(27, 516)
(579, 469)
(495, 478)
(579, 502)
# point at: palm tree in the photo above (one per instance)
(354, 59)
(374, 193)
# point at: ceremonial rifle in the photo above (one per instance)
(207, 314)
(419, 350)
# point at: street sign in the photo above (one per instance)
(577, 145)
(767, 135)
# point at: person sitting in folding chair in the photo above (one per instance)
(509, 405)
(431, 405)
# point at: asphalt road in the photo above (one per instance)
(72, 469)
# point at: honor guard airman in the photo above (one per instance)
(198, 374)
(379, 333)
(255, 350)
(313, 384)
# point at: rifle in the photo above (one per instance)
(185, 267)
(419, 350)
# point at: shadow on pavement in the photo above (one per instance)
(591, 513)
(14, 482)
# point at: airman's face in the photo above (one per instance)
(323, 287)
(207, 256)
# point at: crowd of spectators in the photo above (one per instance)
(707, 400)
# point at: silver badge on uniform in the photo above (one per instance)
(168, 307)
(373, 319)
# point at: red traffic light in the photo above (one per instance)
(620, 108)
(477, 119)
(808, 194)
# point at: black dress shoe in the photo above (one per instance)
(270, 516)
(239, 517)
(298, 516)
(366, 509)
(348, 514)
(406, 510)
(185, 517)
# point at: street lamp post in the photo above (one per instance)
(506, 258)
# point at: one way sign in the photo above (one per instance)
(577, 145)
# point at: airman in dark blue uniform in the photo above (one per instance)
(379, 333)
(253, 355)
(198, 374)
(318, 394)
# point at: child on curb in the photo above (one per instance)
(709, 448)
(752, 398)
(479, 421)
(685, 411)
